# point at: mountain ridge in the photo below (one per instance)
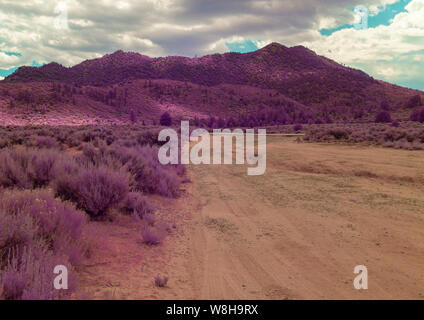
(134, 59)
(295, 80)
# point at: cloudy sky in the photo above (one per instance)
(385, 38)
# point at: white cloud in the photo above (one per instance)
(388, 52)
(154, 27)
(8, 61)
(189, 27)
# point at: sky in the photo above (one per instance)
(384, 38)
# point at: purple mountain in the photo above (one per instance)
(275, 78)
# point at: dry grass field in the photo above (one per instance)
(298, 231)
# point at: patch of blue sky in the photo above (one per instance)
(244, 46)
(7, 72)
(36, 64)
(17, 54)
(382, 18)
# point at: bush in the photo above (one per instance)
(147, 173)
(385, 105)
(137, 204)
(297, 127)
(152, 236)
(339, 134)
(42, 168)
(27, 168)
(161, 281)
(45, 142)
(133, 117)
(414, 101)
(418, 115)
(165, 119)
(29, 276)
(383, 117)
(149, 219)
(411, 134)
(29, 215)
(120, 149)
(94, 190)
(14, 165)
(38, 232)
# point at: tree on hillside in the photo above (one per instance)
(231, 123)
(211, 122)
(165, 119)
(298, 127)
(414, 101)
(133, 117)
(418, 115)
(221, 123)
(385, 105)
(383, 117)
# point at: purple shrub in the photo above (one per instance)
(161, 281)
(42, 215)
(165, 119)
(388, 144)
(297, 128)
(401, 136)
(136, 204)
(147, 173)
(401, 144)
(231, 123)
(221, 123)
(14, 284)
(167, 183)
(339, 134)
(383, 117)
(94, 190)
(27, 168)
(149, 219)
(385, 105)
(212, 122)
(38, 232)
(28, 275)
(418, 115)
(414, 101)
(90, 152)
(395, 124)
(180, 169)
(42, 169)
(133, 117)
(152, 236)
(45, 142)
(14, 165)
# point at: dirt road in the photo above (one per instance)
(298, 231)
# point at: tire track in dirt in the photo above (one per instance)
(245, 246)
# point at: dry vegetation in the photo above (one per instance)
(296, 232)
(54, 179)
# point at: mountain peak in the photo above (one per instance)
(52, 66)
(273, 48)
(118, 52)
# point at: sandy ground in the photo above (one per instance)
(296, 232)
